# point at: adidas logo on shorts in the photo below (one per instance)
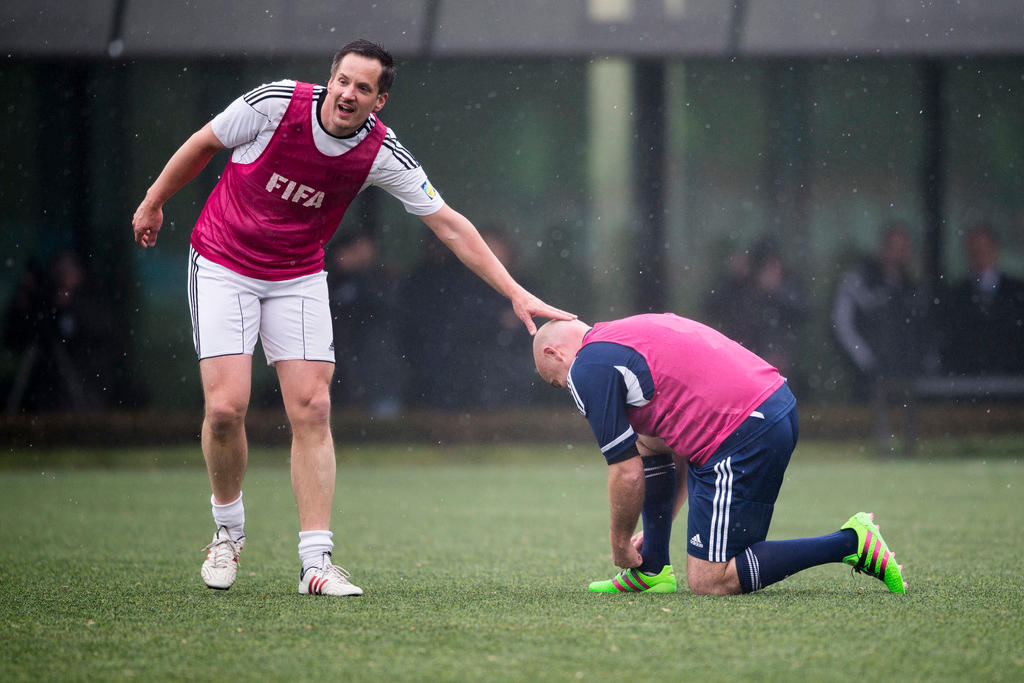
(695, 541)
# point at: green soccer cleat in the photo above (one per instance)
(873, 556)
(635, 581)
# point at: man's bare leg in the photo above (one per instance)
(226, 386)
(227, 382)
(305, 387)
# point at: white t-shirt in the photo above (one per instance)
(248, 124)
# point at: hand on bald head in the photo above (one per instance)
(554, 349)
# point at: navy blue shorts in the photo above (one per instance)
(732, 496)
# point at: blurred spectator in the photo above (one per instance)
(366, 327)
(760, 305)
(505, 354)
(879, 314)
(464, 350)
(720, 309)
(60, 327)
(983, 314)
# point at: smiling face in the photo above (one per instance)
(352, 95)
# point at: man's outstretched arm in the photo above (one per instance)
(184, 165)
(461, 236)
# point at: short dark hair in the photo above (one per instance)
(371, 50)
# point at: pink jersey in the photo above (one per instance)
(705, 384)
(271, 218)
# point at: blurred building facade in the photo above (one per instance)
(629, 147)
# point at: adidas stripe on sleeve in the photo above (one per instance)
(397, 172)
(249, 122)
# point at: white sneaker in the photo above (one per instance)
(221, 564)
(330, 580)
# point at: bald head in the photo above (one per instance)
(554, 349)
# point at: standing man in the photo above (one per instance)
(662, 392)
(983, 317)
(300, 154)
(879, 317)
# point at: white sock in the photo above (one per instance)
(313, 545)
(230, 515)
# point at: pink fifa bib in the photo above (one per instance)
(705, 384)
(271, 218)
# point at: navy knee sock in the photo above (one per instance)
(659, 500)
(764, 563)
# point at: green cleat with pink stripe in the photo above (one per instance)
(634, 581)
(873, 556)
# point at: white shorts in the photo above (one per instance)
(291, 317)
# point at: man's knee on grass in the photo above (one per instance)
(711, 578)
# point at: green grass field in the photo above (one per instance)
(475, 562)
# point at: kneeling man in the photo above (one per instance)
(677, 409)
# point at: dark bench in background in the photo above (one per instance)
(956, 389)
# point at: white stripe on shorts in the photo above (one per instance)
(193, 292)
(720, 511)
